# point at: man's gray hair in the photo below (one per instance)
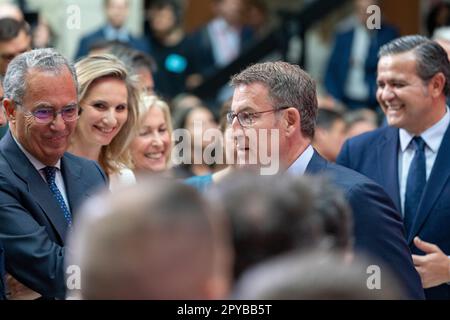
(288, 85)
(431, 58)
(15, 84)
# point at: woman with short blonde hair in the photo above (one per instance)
(151, 148)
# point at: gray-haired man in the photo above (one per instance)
(41, 186)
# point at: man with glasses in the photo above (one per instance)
(279, 100)
(41, 186)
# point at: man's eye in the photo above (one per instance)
(70, 110)
(246, 116)
(43, 113)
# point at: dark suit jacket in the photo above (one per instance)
(378, 228)
(87, 41)
(203, 56)
(375, 154)
(2, 272)
(339, 63)
(32, 225)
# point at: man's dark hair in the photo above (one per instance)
(10, 28)
(431, 58)
(326, 118)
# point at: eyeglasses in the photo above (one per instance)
(247, 119)
(47, 115)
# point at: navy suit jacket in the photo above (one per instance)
(32, 225)
(2, 272)
(378, 228)
(375, 154)
(87, 41)
(339, 63)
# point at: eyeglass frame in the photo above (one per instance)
(55, 113)
(231, 115)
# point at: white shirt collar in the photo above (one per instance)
(299, 165)
(35, 162)
(432, 136)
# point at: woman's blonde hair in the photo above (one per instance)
(148, 102)
(116, 155)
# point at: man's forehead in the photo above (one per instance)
(49, 84)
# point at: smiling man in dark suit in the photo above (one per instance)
(411, 158)
(277, 101)
(41, 186)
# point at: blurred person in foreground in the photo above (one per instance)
(316, 275)
(156, 240)
(274, 215)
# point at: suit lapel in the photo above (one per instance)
(71, 172)
(438, 178)
(387, 157)
(316, 164)
(36, 185)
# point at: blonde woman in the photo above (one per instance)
(109, 114)
(152, 147)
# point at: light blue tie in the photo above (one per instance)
(50, 174)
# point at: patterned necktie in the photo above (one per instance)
(415, 183)
(50, 174)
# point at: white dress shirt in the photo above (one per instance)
(433, 138)
(298, 168)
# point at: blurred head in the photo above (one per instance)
(156, 240)
(139, 63)
(38, 84)
(230, 10)
(329, 134)
(279, 98)
(413, 82)
(198, 121)
(442, 36)
(314, 276)
(360, 121)
(163, 16)
(151, 148)
(274, 215)
(361, 9)
(9, 10)
(116, 12)
(109, 104)
(15, 39)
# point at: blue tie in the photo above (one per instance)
(415, 183)
(50, 174)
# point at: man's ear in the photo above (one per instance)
(10, 109)
(292, 120)
(437, 84)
